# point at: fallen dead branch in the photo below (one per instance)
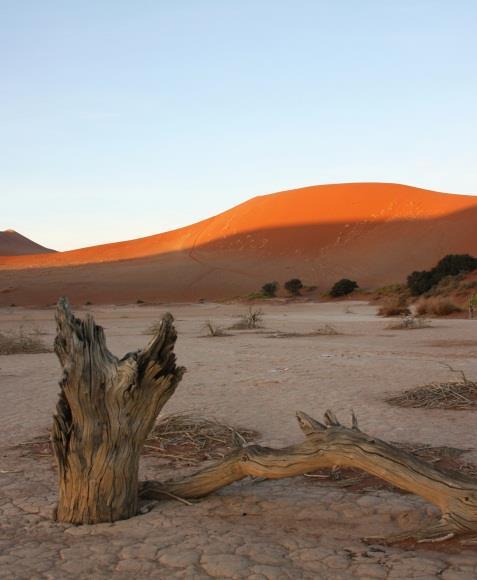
(330, 444)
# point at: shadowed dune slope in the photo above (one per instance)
(372, 232)
(14, 244)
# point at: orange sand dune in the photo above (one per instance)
(14, 244)
(375, 233)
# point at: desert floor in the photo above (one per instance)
(291, 528)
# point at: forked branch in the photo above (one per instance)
(330, 444)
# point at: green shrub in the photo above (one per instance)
(450, 265)
(294, 286)
(270, 289)
(343, 287)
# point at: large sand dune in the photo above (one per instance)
(375, 233)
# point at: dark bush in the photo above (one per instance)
(450, 265)
(270, 289)
(294, 286)
(454, 264)
(343, 287)
(420, 282)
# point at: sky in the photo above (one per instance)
(121, 119)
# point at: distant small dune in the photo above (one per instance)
(14, 244)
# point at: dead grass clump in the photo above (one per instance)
(451, 395)
(410, 323)
(213, 329)
(190, 439)
(325, 330)
(182, 437)
(154, 328)
(251, 319)
(393, 308)
(21, 343)
(436, 307)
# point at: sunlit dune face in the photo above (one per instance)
(314, 216)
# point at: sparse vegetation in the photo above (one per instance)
(410, 323)
(269, 290)
(451, 395)
(251, 319)
(436, 307)
(189, 438)
(21, 343)
(325, 330)
(343, 287)
(394, 307)
(293, 286)
(213, 329)
(420, 282)
(154, 328)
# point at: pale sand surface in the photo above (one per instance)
(293, 528)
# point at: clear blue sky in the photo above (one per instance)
(126, 118)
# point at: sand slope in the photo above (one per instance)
(373, 232)
(14, 244)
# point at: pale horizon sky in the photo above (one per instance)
(122, 119)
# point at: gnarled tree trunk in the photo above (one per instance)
(105, 411)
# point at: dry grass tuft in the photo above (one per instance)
(436, 307)
(393, 308)
(410, 323)
(153, 328)
(190, 439)
(250, 320)
(21, 343)
(325, 330)
(213, 330)
(182, 437)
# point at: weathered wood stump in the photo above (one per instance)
(105, 411)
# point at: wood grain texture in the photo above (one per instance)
(106, 408)
(330, 444)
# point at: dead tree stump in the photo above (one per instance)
(106, 408)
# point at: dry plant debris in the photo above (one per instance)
(153, 328)
(410, 323)
(450, 395)
(326, 330)
(190, 438)
(251, 319)
(214, 330)
(18, 342)
(179, 438)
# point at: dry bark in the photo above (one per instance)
(106, 408)
(329, 445)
